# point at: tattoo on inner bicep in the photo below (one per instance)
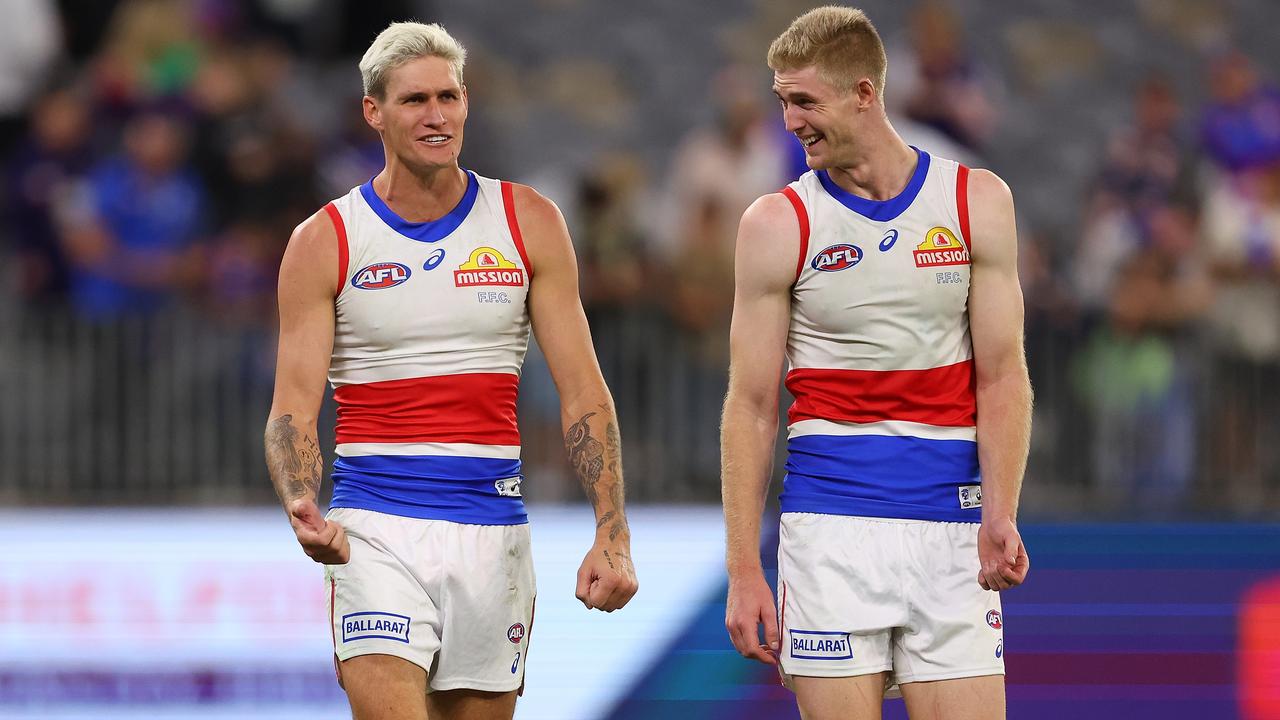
(294, 459)
(586, 454)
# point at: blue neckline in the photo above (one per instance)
(881, 210)
(431, 230)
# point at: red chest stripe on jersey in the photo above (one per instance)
(468, 408)
(942, 396)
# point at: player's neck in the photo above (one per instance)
(879, 169)
(420, 197)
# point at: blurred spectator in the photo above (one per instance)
(132, 234)
(45, 167)
(725, 166)
(1241, 125)
(29, 45)
(1134, 373)
(939, 84)
(1242, 234)
(1145, 171)
(241, 272)
(151, 50)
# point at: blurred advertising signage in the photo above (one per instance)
(162, 595)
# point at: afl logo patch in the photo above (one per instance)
(993, 619)
(836, 258)
(515, 633)
(379, 276)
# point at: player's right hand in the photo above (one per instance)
(751, 604)
(322, 540)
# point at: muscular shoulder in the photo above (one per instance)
(542, 229)
(311, 258)
(534, 210)
(768, 242)
(991, 216)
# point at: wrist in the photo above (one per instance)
(740, 568)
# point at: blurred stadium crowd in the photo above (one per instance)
(155, 155)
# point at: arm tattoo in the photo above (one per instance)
(586, 455)
(590, 458)
(293, 460)
(604, 519)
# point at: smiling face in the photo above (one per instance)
(421, 114)
(823, 117)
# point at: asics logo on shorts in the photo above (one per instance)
(366, 625)
(818, 645)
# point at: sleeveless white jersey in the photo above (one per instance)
(881, 363)
(431, 331)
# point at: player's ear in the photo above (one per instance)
(866, 92)
(372, 113)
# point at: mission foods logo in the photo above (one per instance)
(487, 266)
(940, 247)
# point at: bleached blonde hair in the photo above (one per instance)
(840, 41)
(405, 41)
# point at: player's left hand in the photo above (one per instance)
(1002, 557)
(607, 579)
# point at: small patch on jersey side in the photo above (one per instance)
(970, 496)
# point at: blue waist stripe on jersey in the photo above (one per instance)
(880, 476)
(457, 489)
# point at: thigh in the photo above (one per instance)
(384, 687)
(971, 698)
(843, 698)
(486, 609)
(471, 705)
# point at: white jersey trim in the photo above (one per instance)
(503, 452)
(894, 428)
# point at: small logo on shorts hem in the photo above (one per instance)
(380, 625)
(515, 633)
(820, 645)
(970, 496)
(993, 619)
(999, 649)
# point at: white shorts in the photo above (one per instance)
(859, 595)
(455, 599)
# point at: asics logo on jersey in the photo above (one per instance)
(888, 240)
(379, 276)
(487, 266)
(940, 247)
(836, 258)
(435, 259)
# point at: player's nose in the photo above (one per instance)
(434, 117)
